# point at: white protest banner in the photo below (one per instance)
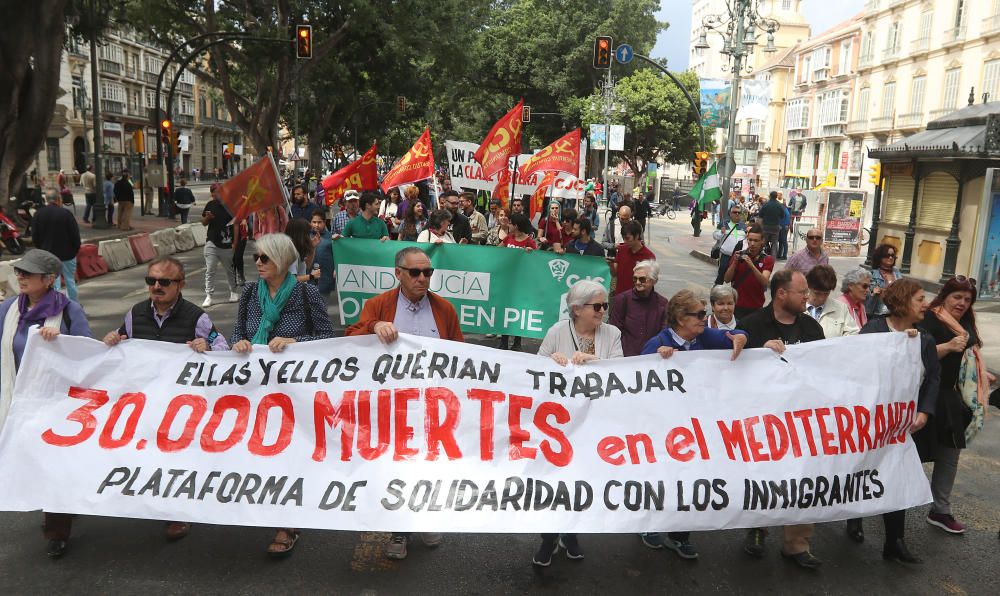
(429, 435)
(467, 174)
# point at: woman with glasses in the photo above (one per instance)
(641, 312)
(276, 312)
(686, 330)
(37, 305)
(854, 289)
(963, 395)
(884, 273)
(727, 240)
(436, 231)
(582, 338)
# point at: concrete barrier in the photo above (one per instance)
(200, 234)
(184, 238)
(164, 241)
(117, 254)
(89, 263)
(142, 248)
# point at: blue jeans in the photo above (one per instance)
(68, 274)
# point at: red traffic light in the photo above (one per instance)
(602, 51)
(303, 41)
(165, 124)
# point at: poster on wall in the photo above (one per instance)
(989, 256)
(843, 216)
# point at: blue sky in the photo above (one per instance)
(673, 43)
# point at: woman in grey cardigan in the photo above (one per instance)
(582, 338)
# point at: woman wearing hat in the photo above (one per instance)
(37, 304)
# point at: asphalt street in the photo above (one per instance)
(127, 556)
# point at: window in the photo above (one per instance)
(153, 64)
(821, 63)
(863, 104)
(991, 78)
(950, 98)
(917, 95)
(52, 154)
(113, 52)
(959, 13)
(925, 26)
(867, 43)
(806, 69)
(786, 4)
(112, 91)
(845, 106)
(845, 57)
(150, 98)
(797, 114)
(889, 100)
(892, 42)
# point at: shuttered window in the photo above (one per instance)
(936, 205)
(898, 199)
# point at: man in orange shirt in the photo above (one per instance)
(412, 309)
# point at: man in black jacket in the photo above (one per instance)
(125, 197)
(166, 316)
(56, 230)
(780, 323)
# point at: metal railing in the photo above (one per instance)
(865, 61)
(991, 24)
(881, 123)
(919, 46)
(912, 120)
(954, 35)
(110, 67)
(113, 107)
(890, 53)
(857, 125)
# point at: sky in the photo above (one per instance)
(673, 43)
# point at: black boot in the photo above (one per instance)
(503, 343)
(896, 550)
(855, 530)
(517, 344)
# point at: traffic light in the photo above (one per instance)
(526, 114)
(175, 141)
(700, 163)
(165, 132)
(303, 41)
(876, 174)
(401, 104)
(602, 52)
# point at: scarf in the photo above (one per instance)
(271, 307)
(50, 304)
(972, 383)
(857, 310)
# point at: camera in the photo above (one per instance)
(612, 252)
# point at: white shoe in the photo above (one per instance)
(233, 296)
(207, 302)
(431, 538)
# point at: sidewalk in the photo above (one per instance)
(987, 314)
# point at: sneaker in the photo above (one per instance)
(233, 296)
(397, 547)
(805, 559)
(431, 539)
(549, 547)
(683, 548)
(754, 543)
(207, 302)
(56, 549)
(946, 522)
(572, 546)
(652, 539)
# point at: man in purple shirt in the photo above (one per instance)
(639, 313)
(810, 256)
(166, 316)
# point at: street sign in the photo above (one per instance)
(624, 53)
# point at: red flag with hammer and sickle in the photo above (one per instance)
(561, 156)
(502, 142)
(254, 189)
(362, 174)
(416, 165)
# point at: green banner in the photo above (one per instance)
(494, 289)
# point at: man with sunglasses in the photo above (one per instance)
(812, 255)
(410, 308)
(166, 316)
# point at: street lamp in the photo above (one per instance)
(739, 29)
(609, 106)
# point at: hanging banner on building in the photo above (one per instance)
(715, 94)
(755, 96)
(844, 210)
(466, 173)
(598, 136)
(616, 137)
(430, 435)
(493, 289)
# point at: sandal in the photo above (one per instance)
(283, 543)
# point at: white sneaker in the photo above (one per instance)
(233, 296)
(431, 538)
(207, 302)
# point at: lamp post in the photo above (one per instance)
(608, 107)
(739, 29)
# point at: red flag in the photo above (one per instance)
(416, 165)
(561, 156)
(502, 142)
(538, 198)
(502, 189)
(361, 174)
(254, 189)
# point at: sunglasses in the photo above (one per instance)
(414, 272)
(700, 315)
(965, 280)
(597, 306)
(639, 279)
(814, 237)
(163, 281)
(865, 286)
(262, 258)
(889, 257)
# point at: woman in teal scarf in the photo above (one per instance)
(277, 311)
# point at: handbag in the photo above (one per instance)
(717, 249)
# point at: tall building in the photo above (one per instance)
(770, 131)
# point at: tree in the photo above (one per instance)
(659, 121)
(31, 43)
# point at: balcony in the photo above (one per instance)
(110, 67)
(856, 126)
(881, 123)
(913, 120)
(865, 61)
(939, 113)
(109, 106)
(920, 46)
(150, 77)
(991, 25)
(895, 3)
(187, 88)
(890, 54)
(184, 119)
(954, 35)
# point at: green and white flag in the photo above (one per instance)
(707, 189)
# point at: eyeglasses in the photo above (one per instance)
(262, 258)
(414, 272)
(163, 281)
(814, 237)
(597, 306)
(639, 279)
(701, 314)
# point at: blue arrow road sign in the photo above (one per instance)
(624, 53)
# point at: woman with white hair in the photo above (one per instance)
(854, 287)
(584, 338)
(278, 311)
(723, 300)
(641, 312)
